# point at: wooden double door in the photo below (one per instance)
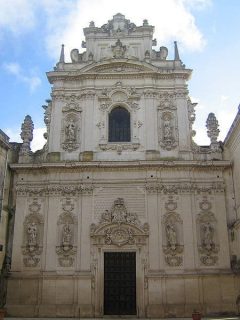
(120, 283)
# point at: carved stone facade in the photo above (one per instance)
(156, 195)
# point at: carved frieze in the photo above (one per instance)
(54, 189)
(185, 188)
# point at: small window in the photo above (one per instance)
(119, 125)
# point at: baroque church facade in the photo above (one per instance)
(121, 213)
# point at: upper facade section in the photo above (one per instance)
(120, 39)
(119, 100)
(107, 42)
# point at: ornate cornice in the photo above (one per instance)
(133, 165)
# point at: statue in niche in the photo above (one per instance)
(171, 236)
(167, 129)
(70, 131)
(207, 236)
(66, 235)
(32, 234)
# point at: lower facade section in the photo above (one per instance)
(77, 295)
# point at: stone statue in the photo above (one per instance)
(66, 235)
(167, 129)
(32, 234)
(207, 238)
(171, 236)
(118, 50)
(71, 131)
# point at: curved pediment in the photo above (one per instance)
(119, 227)
(113, 66)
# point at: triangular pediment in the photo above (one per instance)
(113, 66)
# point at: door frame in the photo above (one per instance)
(98, 288)
(122, 251)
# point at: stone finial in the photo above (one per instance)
(145, 22)
(176, 53)
(212, 129)
(62, 56)
(26, 135)
(91, 24)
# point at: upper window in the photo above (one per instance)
(119, 125)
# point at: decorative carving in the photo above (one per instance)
(173, 239)
(33, 235)
(213, 131)
(207, 238)
(118, 25)
(163, 53)
(119, 236)
(191, 115)
(72, 107)
(71, 127)
(56, 189)
(118, 50)
(205, 205)
(66, 225)
(119, 147)
(26, 135)
(171, 205)
(187, 187)
(119, 214)
(47, 118)
(167, 131)
(119, 227)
